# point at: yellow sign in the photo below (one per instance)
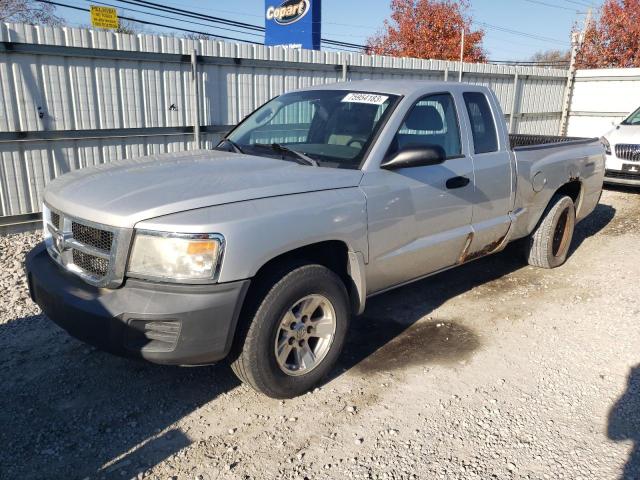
(104, 17)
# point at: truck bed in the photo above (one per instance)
(522, 141)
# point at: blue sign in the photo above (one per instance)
(293, 23)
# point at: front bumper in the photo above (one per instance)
(162, 323)
(621, 178)
(621, 172)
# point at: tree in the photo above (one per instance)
(129, 27)
(613, 39)
(429, 29)
(552, 56)
(28, 11)
(196, 36)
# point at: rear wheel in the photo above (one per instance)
(295, 334)
(548, 245)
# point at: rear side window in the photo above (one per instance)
(483, 129)
(432, 121)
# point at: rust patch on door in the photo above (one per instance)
(486, 250)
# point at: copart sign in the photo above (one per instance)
(288, 12)
(293, 23)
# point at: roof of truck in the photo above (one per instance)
(394, 87)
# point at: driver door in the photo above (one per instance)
(420, 217)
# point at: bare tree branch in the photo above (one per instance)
(28, 11)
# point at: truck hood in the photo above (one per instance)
(124, 192)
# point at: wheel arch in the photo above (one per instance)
(333, 254)
(572, 189)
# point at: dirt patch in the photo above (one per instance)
(436, 342)
(627, 219)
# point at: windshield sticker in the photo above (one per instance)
(371, 98)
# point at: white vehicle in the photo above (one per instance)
(622, 149)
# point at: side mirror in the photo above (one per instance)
(415, 157)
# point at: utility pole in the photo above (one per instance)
(461, 55)
(577, 39)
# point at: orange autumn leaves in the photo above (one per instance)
(613, 40)
(428, 29)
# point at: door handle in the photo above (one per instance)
(457, 182)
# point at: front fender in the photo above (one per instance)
(258, 230)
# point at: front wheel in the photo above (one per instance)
(548, 245)
(296, 333)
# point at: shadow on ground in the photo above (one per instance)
(83, 413)
(624, 423)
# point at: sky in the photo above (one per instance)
(514, 29)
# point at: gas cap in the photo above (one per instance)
(538, 182)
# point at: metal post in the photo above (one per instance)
(514, 103)
(195, 103)
(446, 74)
(345, 68)
(461, 55)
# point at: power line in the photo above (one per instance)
(537, 2)
(583, 4)
(214, 19)
(177, 19)
(145, 22)
(524, 34)
(187, 13)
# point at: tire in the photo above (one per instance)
(293, 295)
(548, 245)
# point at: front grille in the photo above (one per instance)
(628, 152)
(55, 220)
(622, 175)
(94, 237)
(89, 250)
(89, 263)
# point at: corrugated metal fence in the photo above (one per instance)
(71, 98)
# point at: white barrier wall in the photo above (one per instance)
(602, 98)
(71, 97)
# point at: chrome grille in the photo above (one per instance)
(629, 152)
(94, 237)
(87, 249)
(55, 220)
(89, 263)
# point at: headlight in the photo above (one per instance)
(606, 144)
(176, 257)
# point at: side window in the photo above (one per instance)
(431, 121)
(483, 129)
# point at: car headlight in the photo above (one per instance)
(606, 144)
(176, 257)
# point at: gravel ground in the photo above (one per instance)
(493, 370)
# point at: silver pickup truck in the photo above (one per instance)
(261, 250)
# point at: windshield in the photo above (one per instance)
(334, 128)
(633, 119)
